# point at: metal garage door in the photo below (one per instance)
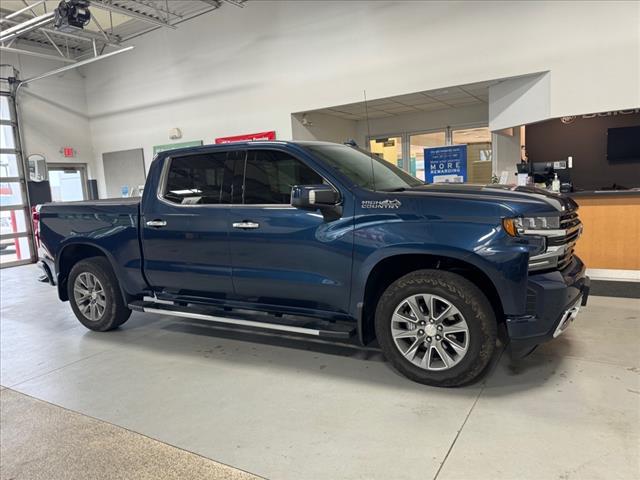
(16, 244)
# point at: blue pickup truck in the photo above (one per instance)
(326, 240)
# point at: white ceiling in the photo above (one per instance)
(425, 101)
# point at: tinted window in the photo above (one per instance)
(270, 174)
(364, 169)
(197, 179)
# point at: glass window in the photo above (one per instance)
(66, 185)
(10, 193)
(197, 179)
(6, 137)
(471, 135)
(5, 113)
(8, 165)
(389, 149)
(14, 249)
(363, 169)
(270, 175)
(417, 144)
(479, 152)
(12, 221)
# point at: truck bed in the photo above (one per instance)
(110, 226)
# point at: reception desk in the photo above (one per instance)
(611, 236)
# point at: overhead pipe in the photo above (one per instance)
(87, 36)
(22, 10)
(27, 26)
(69, 67)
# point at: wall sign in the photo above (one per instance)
(173, 146)
(68, 152)
(446, 164)
(247, 137)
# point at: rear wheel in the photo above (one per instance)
(95, 296)
(436, 328)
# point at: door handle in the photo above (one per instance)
(156, 223)
(247, 225)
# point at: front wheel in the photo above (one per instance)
(436, 328)
(95, 296)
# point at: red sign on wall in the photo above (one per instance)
(67, 151)
(247, 137)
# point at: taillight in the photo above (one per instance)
(35, 217)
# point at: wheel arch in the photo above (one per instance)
(390, 268)
(71, 254)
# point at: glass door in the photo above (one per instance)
(406, 150)
(67, 182)
(389, 149)
(417, 143)
(479, 152)
(16, 246)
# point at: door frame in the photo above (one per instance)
(81, 167)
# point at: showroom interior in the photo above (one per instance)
(527, 94)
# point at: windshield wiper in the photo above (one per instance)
(398, 189)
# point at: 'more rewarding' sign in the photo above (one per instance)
(446, 164)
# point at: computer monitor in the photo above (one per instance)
(542, 172)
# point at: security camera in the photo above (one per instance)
(72, 15)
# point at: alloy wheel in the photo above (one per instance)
(430, 332)
(90, 296)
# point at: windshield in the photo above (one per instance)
(364, 169)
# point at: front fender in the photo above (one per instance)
(480, 244)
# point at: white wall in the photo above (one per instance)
(240, 70)
(474, 115)
(334, 129)
(507, 152)
(519, 101)
(53, 112)
(243, 70)
(323, 127)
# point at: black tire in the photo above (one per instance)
(471, 303)
(115, 311)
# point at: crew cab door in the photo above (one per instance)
(185, 226)
(282, 255)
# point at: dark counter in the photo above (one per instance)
(604, 193)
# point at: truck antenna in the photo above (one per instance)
(366, 114)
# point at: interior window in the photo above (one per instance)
(270, 174)
(197, 179)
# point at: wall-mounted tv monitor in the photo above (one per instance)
(623, 144)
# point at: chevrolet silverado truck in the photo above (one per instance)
(325, 240)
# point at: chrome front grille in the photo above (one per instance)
(560, 244)
(569, 220)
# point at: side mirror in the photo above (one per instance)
(312, 197)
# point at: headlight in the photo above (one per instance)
(522, 225)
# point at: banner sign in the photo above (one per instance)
(247, 137)
(446, 164)
(173, 146)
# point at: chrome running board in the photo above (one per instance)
(300, 325)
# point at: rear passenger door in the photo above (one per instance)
(282, 255)
(185, 227)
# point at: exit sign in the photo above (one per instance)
(68, 152)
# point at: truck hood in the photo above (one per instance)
(498, 193)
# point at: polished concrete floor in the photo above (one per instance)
(41, 441)
(289, 408)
